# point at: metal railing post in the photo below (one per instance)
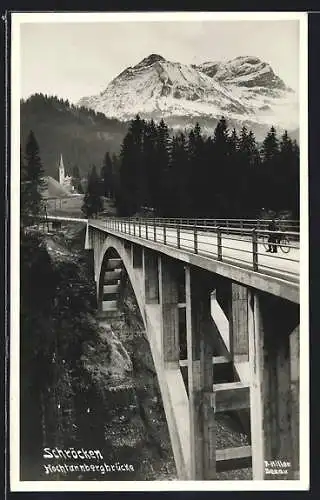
(134, 228)
(219, 243)
(164, 234)
(154, 230)
(146, 230)
(139, 228)
(178, 235)
(254, 249)
(195, 239)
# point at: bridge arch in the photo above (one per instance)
(112, 263)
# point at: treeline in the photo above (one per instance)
(44, 103)
(80, 134)
(191, 175)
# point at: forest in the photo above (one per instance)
(81, 135)
(189, 174)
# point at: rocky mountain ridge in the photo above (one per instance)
(245, 90)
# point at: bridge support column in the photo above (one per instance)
(168, 288)
(239, 324)
(151, 277)
(239, 342)
(274, 362)
(200, 347)
(136, 255)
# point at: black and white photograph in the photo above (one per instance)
(159, 234)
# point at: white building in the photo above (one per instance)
(65, 180)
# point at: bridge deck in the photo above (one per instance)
(277, 273)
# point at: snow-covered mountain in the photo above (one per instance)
(245, 90)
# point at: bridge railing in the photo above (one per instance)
(283, 224)
(245, 245)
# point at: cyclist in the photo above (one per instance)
(273, 237)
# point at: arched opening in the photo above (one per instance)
(109, 289)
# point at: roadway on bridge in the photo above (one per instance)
(236, 249)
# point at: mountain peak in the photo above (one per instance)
(151, 59)
(245, 88)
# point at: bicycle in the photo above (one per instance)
(281, 242)
(284, 243)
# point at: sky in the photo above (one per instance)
(73, 60)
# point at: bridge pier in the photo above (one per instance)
(239, 340)
(200, 349)
(239, 343)
(274, 361)
(151, 277)
(169, 313)
(137, 256)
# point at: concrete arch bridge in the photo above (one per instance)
(222, 320)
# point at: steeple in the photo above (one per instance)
(61, 171)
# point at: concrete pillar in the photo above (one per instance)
(273, 396)
(90, 257)
(89, 238)
(239, 341)
(151, 278)
(127, 245)
(200, 345)
(136, 256)
(256, 361)
(168, 294)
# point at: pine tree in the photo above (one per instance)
(288, 175)
(150, 170)
(268, 192)
(132, 195)
(178, 190)
(32, 179)
(270, 146)
(116, 179)
(234, 141)
(76, 179)
(107, 177)
(92, 203)
(221, 152)
(247, 173)
(160, 185)
(196, 171)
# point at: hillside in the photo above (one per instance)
(81, 135)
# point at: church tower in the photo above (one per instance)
(61, 171)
